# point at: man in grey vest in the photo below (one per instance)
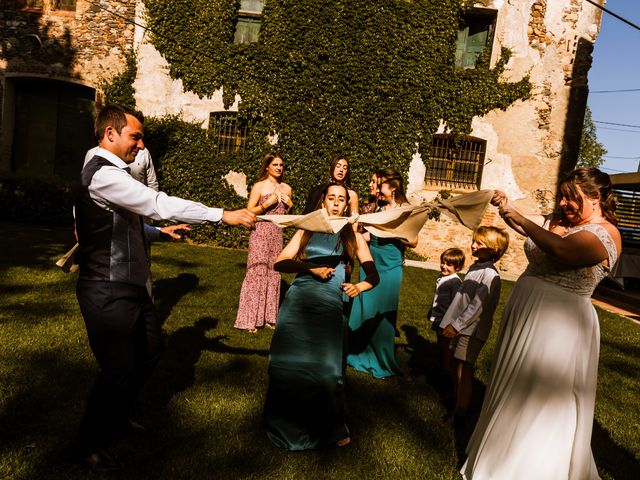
(122, 323)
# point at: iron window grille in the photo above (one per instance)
(230, 133)
(455, 163)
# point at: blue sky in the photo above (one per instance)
(616, 65)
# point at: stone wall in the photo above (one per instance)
(531, 143)
(85, 46)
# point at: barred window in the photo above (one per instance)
(455, 163)
(249, 21)
(67, 5)
(231, 134)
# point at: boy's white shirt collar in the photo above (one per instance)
(443, 277)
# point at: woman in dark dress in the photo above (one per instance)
(339, 174)
(372, 322)
(305, 400)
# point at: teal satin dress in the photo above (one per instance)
(372, 322)
(304, 407)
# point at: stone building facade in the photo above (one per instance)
(53, 56)
(522, 150)
(531, 144)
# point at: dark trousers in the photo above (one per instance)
(125, 337)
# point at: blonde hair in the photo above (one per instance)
(494, 238)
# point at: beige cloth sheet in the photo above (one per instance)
(404, 223)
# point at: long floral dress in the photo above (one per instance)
(260, 292)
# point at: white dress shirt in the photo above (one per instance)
(141, 168)
(113, 187)
(471, 312)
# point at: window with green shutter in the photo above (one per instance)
(249, 21)
(474, 35)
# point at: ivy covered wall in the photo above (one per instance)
(363, 79)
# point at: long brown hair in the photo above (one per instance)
(391, 177)
(347, 178)
(594, 184)
(347, 235)
(266, 161)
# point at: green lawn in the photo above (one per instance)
(203, 405)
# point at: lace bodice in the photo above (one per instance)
(580, 280)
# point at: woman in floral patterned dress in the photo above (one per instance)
(260, 292)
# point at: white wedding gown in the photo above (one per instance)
(537, 414)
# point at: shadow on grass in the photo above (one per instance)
(176, 374)
(424, 357)
(40, 416)
(36, 247)
(168, 292)
(424, 360)
(612, 458)
(628, 349)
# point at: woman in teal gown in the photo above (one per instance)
(304, 406)
(372, 322)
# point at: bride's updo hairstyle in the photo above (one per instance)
(594, 184)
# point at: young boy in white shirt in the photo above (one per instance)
(469, 318)
(447, 284)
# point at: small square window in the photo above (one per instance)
(475, 34)
(455, 163)
(249, 21)
(230, 133)
(628, 213)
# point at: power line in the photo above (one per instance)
(617, 124)
(628, 22)
(618, 129)
(621, 158)
(616, 91)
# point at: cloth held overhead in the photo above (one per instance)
(404, 222)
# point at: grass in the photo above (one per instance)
(203, 405)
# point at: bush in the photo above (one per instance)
(33, 200)
(187, 167)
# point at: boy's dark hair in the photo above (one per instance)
(454, 257)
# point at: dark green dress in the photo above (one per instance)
(372, 323)
(304, 407)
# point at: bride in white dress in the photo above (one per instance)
(537, 414)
